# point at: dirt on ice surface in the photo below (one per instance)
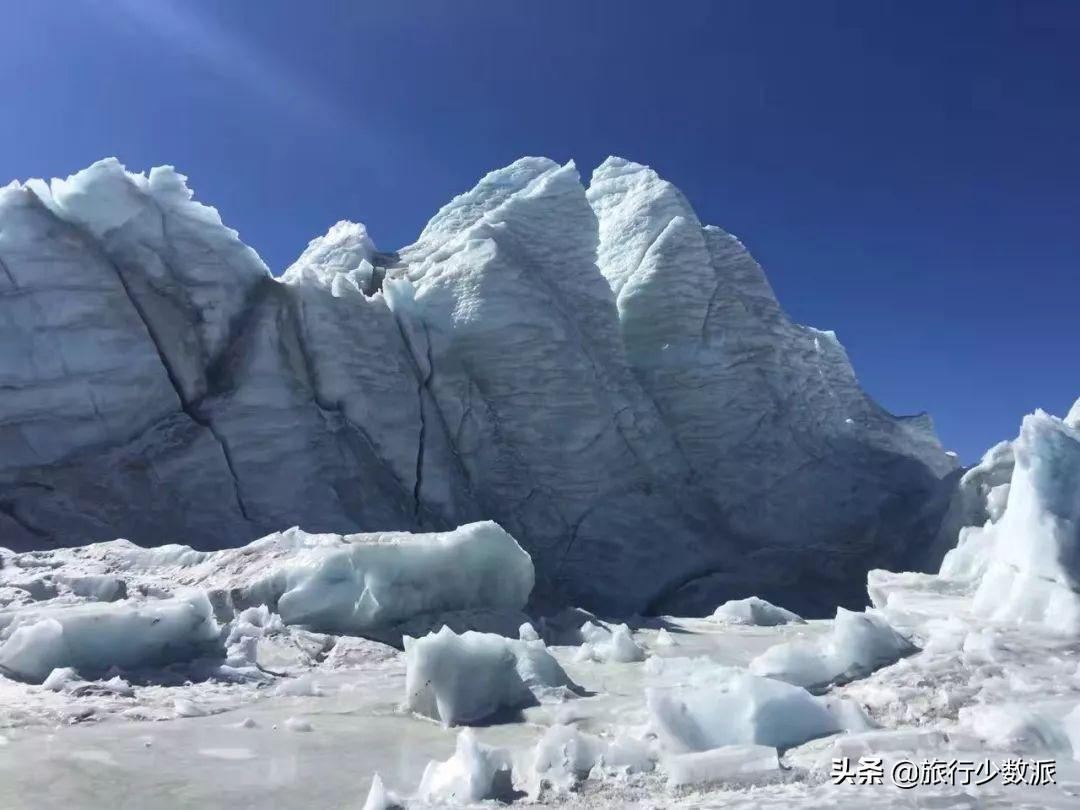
(314, 738)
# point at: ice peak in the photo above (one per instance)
(345, 248)
(1072, 419)
(613, 166)
(465, 210)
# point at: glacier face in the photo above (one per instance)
(612, 382)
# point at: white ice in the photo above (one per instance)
(93, 637)
(858, 644)
(739, 708)
(472, 677)
(474, 773)
(755, 611)
(613, 643)
(727, 764)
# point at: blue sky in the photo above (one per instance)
(907, 172)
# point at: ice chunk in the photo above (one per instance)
(60, 678)
(858, 644)
(118, 686)
(33, 651)
(563, 757)
(465, 679)
(379, 798)
(615, 644)
(298, 724)
(245, 630)
(474, 773)
(501, 622)
(356, 582)
(528, 633)
(303, 686)
(95, 636)
(725, 764)
(754, 611)
(188, 708)
(738, 709)
(99, 588)
(538, 668)
(627, 754)
(665, 639)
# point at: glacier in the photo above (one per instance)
(612, 382)
(551, 471)
(748, 707)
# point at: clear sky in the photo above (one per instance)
(907, 172)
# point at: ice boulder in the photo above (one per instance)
(738, 708)
(754, 611)
(468, 678)
(665, 639)
(539, 669)
(244, 633)
(563, 757)
(379, 798)
(59, 678)
(96, 636)
(858, 644)
(1032, 574)
(356, 582)
(474, 773)
(182, 707)
(615, 644)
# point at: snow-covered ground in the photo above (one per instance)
(977, 691)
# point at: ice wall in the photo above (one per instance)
(610, 381)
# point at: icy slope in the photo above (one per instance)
(608, 380)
